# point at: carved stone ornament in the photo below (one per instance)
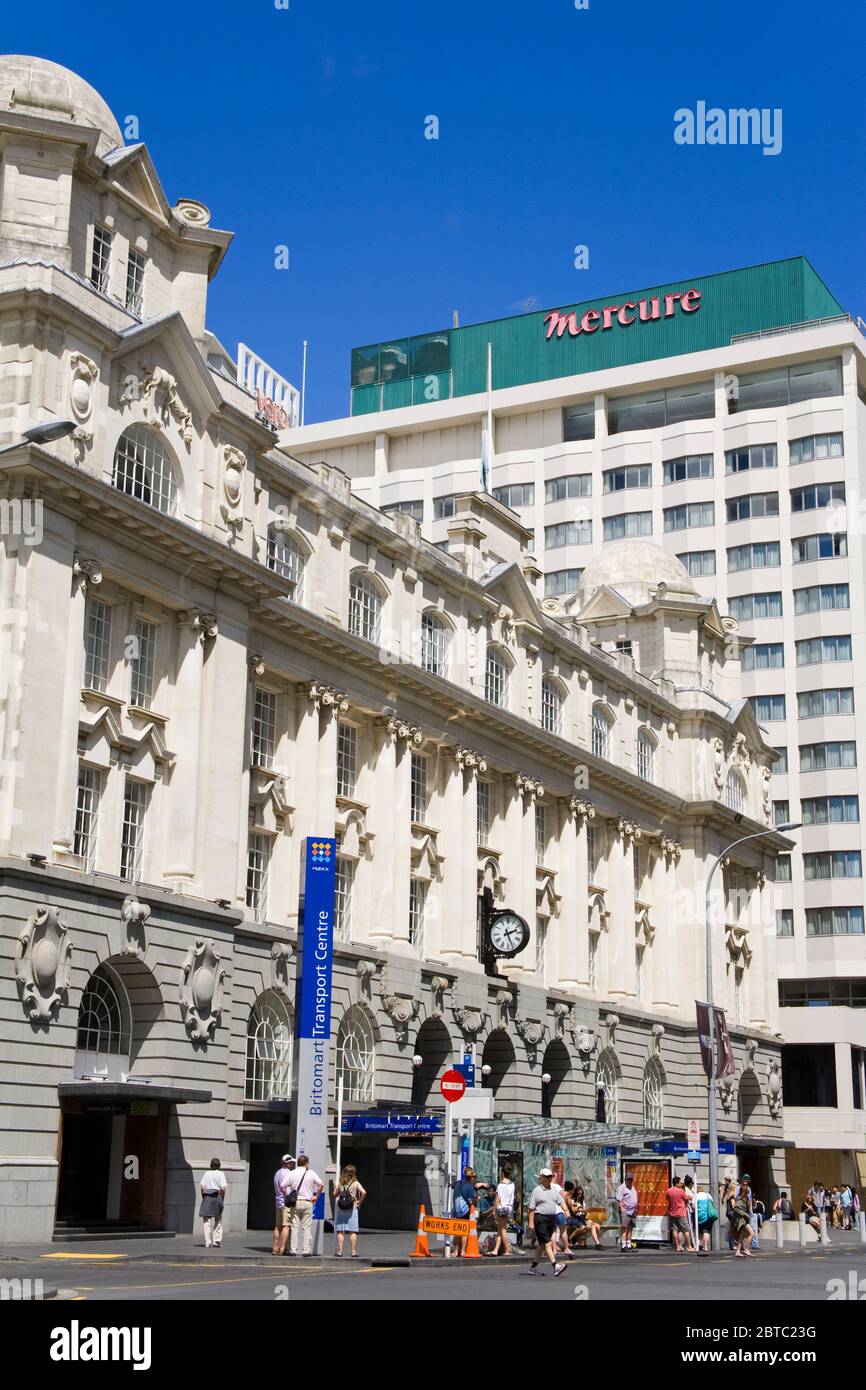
(774, 1089)
(610, 1023)
(529, 786)
(401, 1009)
(751, 1051)
(205, 624)
(531, 1030)
(83, 373)
(469, 761)
(740, 754)
(162, 402)
(232, 501)
(134, 915)
(671, 849)
(737, 942)
(438, 985)
(42, 961)
(504, 999)
(628, 830)
(766, 800)
(718, 750)
(326, 697)
(727, 1093)
(657, 1032)
(579, 806)
(201, 989)
(563, 1015)
(86, 572)
(402, 732)
(256, 664)
(365, 971)
(470, 1021)
(281, 956)
(586, 1044)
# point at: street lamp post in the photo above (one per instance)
(712, 1126)
(43, 433)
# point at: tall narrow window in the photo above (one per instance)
(258, 873)
(551, 706)
(100, 259)
(594, 938)
(144, 652)
(343, 883)
(653, 1096)
(347, 759)
(646, 756)
(417, 905)
(496, 678)
(483, 813)
(639, 954)
(734, 798)
(134, 282)
(132, 830)
(365, 607)
(419, 787)
(264, 731)
(97, 645)
(600, 732)
(540, 834)
(87, 814)
(269, 1050)
(591, 852)
(434, 644)
(540, 946)
(356, 1055)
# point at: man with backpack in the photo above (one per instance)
(301, 1194)
(465, 1196)
(283, 1215)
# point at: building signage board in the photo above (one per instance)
(629, 312)
(392, 1124)
(313, 1012)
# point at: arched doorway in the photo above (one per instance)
(499, 1056)
(555, 1093)
(434, 1046)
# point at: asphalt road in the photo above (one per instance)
(790, 1276)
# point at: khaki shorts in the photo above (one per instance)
(282, 1218)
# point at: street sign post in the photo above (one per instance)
(694, 1135)
(452, 1085)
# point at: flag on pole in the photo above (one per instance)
(487, 429)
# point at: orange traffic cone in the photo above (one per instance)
(472, 1252)
(421, 1248)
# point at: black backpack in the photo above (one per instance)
(345, 1200)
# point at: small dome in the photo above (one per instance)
(42, 88)
(635, 569)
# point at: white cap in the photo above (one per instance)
(545, 1172)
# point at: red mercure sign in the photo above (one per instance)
(273, 413)
(452, 1085)
(632, 311)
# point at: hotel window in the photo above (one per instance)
(834, 921)
(415, 509)
(434, 644)
(821, 598)
(132, 829)
(561, 582)
(141, 684)
(749, 607)
(134, 282)
(418, 790)
(593, 960)
(365, 606)
(763, 555)
(814, 650)
(755, 456)
(540, 946)
(264, 730)
(752, 505)
(782, 868)
(781, 812)
(618, 479)
(356, 1056)
(829, 545)
(601, 727)
(443, 507)
(690, 515)
(843, 863)
(100, 259)
(815, 446)
(574, 485)
(815, 495)
(768, 708)
(787, 385)
(687, 468)
(578, 421)
(97, 645)
(344, 877)
(540, 834)
(646, 756)
(784, 921)
(143, 469)
(567, 533)
(551, 706)
(482, 815)
(813, 704)
(347, 759)
(288, 559)
(88, 793)
(651, 409)
(417, 904)
(828, 757)
(780, 766)
(764, 656)
(699, 563)
(258, 870)
(627, 525)
(830, 810)
(735, 799)
(496, 678)
(515, 495)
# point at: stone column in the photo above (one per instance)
(194, 629)
(519, 863)
(84, 574)
(389, 923)
(572, 925)
(459, 769)
(761, 921)
(620, 902)
(667, 908)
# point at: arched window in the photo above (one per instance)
(103, 1040)
(143, 468)
(606, 1090)
(365, 606)
(646, 755)
(496, 678)
(434, 644)
(653, 1096)
(551, 705)
(735, 798)
(269, 1049)
(356, 1055)
(602, 724)
(287, 558)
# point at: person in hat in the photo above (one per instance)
(282, 1214)
(544, 1207)
(627, 1201)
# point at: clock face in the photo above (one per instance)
(508, 934)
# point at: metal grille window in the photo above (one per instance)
(815, 446)
(418, 789)
(653, 1096)
(834, 921)
(619, 479)
(748, 607)
(356, 1054)
(699, 562)
(288, 559)
(812, 704)
(496, 678)
(551, 706)
(264, 731)
(627, 525)
(97, 645)
(269, 1050)
(601, 725)
(434, 644)
(87, 798)
(132, 830)
(689, 515)
(815, 650)
(347, 758)
(561, 582)
(483, 821)
(344, 878)
(568, 533)
(828, 545)
(830, 810)
(515, 495)
(827, 757)
(100, 259)
(752, 504)
(417, 905)
(646, 756)
(784, 921)
(820, 598)
(759, 556)
(685, 469)
(809, 499)
(365, 607)
(570, 485)
(143, 469)
(764, 656)
(540, 834)
(843, 863)
(258, 872)
(734, 796)
(141, 684)
(754, 456)
(103, 1017)
(134, 282)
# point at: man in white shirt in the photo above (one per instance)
(307, 1185)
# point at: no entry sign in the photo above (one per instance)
(452, 1086)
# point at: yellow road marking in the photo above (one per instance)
(79, 1255)
(207, 1283)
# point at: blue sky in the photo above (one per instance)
(305, 127)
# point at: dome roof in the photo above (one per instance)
(635, 568)
(42, 88)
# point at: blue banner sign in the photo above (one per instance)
(662, 1146)
(392, 1124)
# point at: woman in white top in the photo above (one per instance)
(213, 1191)
(503, 1211)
